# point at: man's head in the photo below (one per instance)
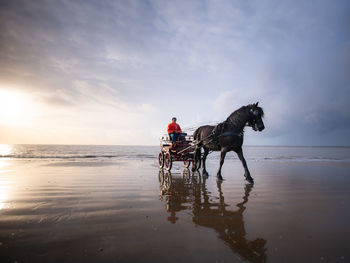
(173, 120)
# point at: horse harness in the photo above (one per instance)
(218, 131)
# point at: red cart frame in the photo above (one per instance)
(180, 151)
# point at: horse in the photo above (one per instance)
(227, 136)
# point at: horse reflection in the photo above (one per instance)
(189, 192)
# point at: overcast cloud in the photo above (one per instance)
(115, 72)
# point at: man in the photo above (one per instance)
(174, 131)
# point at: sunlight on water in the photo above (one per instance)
(5, 185)
(5, 189)
(3, 164)
(5, 149)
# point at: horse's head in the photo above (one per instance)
(255, 117)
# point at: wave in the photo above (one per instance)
(154, 157)
(301, 159)
(286, 158)
(96, 153)
(26, 156)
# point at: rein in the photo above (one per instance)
(225, 124)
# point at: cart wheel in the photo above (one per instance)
(161, 160)
(168, 161)
(187, 163)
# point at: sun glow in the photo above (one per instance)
(5, 149)
(12, 108)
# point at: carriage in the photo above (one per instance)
(182, 150)
(224, 137)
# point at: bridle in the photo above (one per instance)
(253, 121)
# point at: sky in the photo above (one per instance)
(116, 72)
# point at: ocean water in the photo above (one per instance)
(70, 203)
(95, 153)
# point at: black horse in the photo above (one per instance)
(228, 136)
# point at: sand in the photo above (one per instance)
(129, 211)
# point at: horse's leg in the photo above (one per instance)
(246, 171)
(222, 159)
(206, 152)
(196, 159)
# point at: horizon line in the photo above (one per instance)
(154, 145)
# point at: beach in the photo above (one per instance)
(113, 204)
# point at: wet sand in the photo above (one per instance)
(128, 211)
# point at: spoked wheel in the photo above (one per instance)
(168, 161)
(187, 163)
(161, 160)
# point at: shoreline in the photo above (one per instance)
(125, 211)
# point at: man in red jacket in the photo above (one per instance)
(174, 131)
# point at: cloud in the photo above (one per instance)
(147, 108)
(107, 66)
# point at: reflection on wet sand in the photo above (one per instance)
(189, 192)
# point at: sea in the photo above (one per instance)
(96, 153)
(105, 203)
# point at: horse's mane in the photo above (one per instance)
(238, 117)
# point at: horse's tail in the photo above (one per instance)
(197, 149)
(196, 136)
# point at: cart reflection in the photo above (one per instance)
(188, 191)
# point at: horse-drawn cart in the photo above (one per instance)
(182, 150)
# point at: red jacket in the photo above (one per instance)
(174, 127)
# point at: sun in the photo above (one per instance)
(11, 107)
(5, 149)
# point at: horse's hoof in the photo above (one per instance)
(205, 173)
(219, 177)
(193, 169)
